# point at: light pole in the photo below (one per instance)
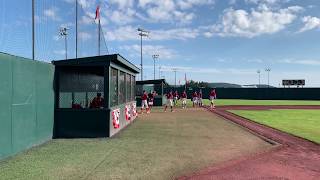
(268, 70)
(63, 33)
(175, 77)
(142, 33)
(259, 73)
(155, 56)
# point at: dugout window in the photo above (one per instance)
(78, 87)
(122, 88)
(133, 88)
(128, 84)
(114, 87)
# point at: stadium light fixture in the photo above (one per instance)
(268, 70)
(155, 56)
(64, 33)
(259, 73)
(142, 33)
(175, 76)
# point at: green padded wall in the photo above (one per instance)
(27, 103)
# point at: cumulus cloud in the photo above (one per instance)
(84, 36)
(310, 23)
(125, 33)
(51, 13)
(267, 1)
(149, 50)
(311, 62)
(264, 20)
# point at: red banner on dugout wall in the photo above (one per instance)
(127, 111)
(134, 110)
(116, 118)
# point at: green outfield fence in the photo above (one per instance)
(258, 93)
(27, 103)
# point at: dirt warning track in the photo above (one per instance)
(293, 158)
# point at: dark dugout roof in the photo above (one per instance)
(157, 81)
(98, 61)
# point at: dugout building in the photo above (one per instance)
(94, 96)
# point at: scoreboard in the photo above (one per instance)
(297, 82)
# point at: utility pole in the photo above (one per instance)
(268, 70)
(259, 73)
(33, 31)
(64, 33)
(155, 56)
(142, 33)
(159, 72)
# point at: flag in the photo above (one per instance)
(97, 13)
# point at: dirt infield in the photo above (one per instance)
(295, 158)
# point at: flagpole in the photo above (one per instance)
(76, 29)
(99, 38)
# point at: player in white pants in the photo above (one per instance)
(184, 99)
(213, 96)
(144, 102)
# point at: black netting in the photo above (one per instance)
(81, 88)
(82, 39)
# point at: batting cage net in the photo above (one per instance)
(51, 30)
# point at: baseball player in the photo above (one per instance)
(195, 98)
(184, 99)
(151, 97)
(200, 98)
(176, 97)
(144, 102)
(169, 101)
(213, 96)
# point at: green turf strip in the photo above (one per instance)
(224, 102)
(157, 146)
(302, 123)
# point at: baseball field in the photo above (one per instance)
(169, 145)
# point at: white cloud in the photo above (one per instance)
(125, 33)
(122, 4)
(259, 21)
(86, 20)
(52, 13)
(188, 4)
(267, 1)
(84, 36)
(310, 62)
(149, 50)
(310, 23)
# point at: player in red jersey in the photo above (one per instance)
(213, 96)
(195, 98)
(144, 102)
(200, 98)
(175, 98)
(97, 102)
(151, 97)
(184, 99)
(169, 101)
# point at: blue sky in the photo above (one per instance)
(210, 40)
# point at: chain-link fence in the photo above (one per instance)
(81, 37)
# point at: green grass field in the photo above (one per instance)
(224, 102)
(302, 123)
(157, 146)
